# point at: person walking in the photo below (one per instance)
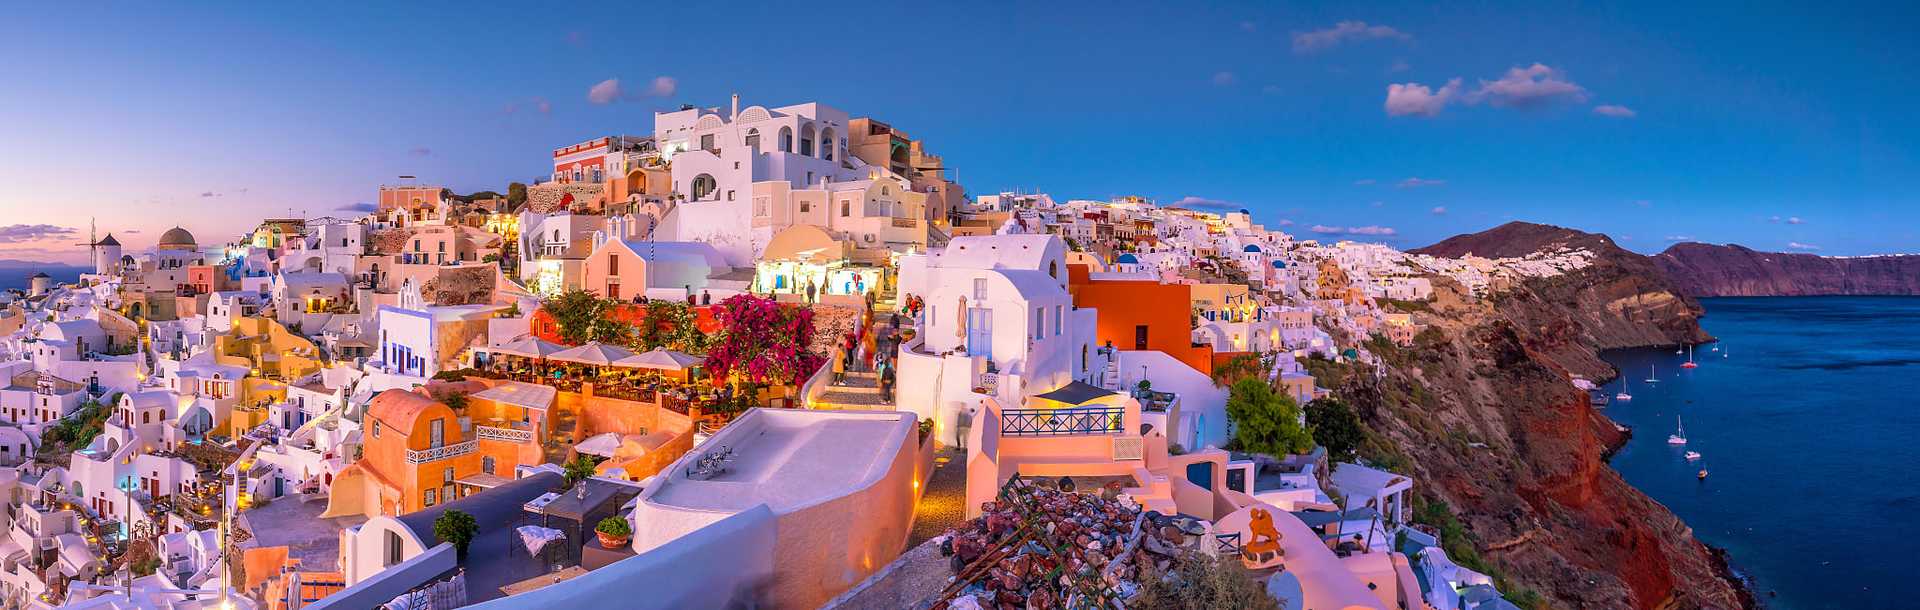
(812, 292)
(840, 367)
(706, 298)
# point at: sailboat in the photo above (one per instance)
(1679, 436)
(1689, 363)
(1651, 377)
(1728, 353)
(1623, 395)
(1677, 351)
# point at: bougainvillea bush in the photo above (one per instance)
(761, 342)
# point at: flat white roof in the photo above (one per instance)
(788, 459)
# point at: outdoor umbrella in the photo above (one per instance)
(530, 347)
(660, 358)
(602, 445)
(593, 352)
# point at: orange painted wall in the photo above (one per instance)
(1124, 304)
(546, 329)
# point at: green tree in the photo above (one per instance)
(1336, 427)
(457, 528)
(516, 195)
(1242, 366)
(1265, 421)
(577, 312)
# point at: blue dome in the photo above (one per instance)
(1253, 248)
(1128, 259)
(1279, 264)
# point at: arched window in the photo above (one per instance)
(786, 139)
(703, 187)
(826, 143)
(1053, 269)
(753, 140)
(806, 139)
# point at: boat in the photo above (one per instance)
(1689, 363)
(1703, 474)
(1679, 436)
(1716, 348)
(1651, 377)
(1623, 395)
(1693, 455)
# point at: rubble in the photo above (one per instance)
(1045, 546)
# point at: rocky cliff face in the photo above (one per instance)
(1707, 270)
(1483, 414)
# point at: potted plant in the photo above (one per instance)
(457, 528)
(613, 532)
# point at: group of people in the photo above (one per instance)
(871, 347)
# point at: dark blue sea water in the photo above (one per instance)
(1806, 421)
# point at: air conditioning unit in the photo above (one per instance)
(1128, 448)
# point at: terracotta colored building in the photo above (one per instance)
(1141, 315)
(414, 451)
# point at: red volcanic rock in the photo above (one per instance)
(1705, 270)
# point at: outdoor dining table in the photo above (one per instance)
(544, 580)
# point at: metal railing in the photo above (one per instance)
(504, 434)
(422, 456)
(1061, 422)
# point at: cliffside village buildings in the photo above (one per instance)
(277, 420)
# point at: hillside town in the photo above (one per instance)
(753, 356)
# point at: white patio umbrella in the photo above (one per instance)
(661, 358)
(593, 352)
(602, 445)
(530, 347)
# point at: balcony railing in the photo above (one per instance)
(423, 456)
(1061, 422)
(504, 434)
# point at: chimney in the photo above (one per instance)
(736, 108)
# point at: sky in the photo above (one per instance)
(1776, 126)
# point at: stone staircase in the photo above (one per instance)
(858, 391)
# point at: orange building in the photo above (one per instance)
(413, 452)
(1141, 315)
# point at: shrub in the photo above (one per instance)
(1265, 421)
(1335, 427)
(614, 526)
(1197, 582)
(457, 528)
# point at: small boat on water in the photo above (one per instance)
(1689, 363)
(1623, 396)
(1693, 455)
(1679, 436)
(1703, 474)
(1677, 351)
(1716, 348)
(1651, 376)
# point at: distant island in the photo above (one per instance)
(1708, 270)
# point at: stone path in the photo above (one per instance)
(944, 504)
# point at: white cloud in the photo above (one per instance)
(1203, 203)
(1794, 245)
(1417, 182)
(1534, 86)
(1679, 238)
(1223, 78)
(1369, 230)
(609, 91)
(27, 233)
(1320, 40)
(1615, 111)
(1415, 99)
(1794, 220)
(1439, 210)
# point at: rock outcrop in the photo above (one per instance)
(1706, 270)
(1483, 413)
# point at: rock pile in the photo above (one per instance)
(1037, 546)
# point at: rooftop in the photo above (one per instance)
(788, 459)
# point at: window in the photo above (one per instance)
(753, 139)
(1039, 323)
(436, 433)
(703, 187)
(805, 207)
(429, 496)
(613, 264)
(416, 245)
(729, 194)
(376, 429)
(706, 143)
(979, 289)
(846, 208)
(1053, 269)
(785, 142)
(486, 464)
(806, 139)
(1059, 318)
(1140, 336)
(393, 547)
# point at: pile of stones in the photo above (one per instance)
(1045, 546)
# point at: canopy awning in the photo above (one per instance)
(518, 394)
(661, 358)
(530, 347)
(1076, 393)
(593, 352)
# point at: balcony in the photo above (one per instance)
(906, 223)
(423, 456)
(504, 434)
(1061, 422)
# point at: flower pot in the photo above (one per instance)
(612, 542)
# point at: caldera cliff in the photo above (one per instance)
(1707, 270)
(1481, 410)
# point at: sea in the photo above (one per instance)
(14, 274)
(1804, 413)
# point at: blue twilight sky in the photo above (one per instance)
(1775, 126)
